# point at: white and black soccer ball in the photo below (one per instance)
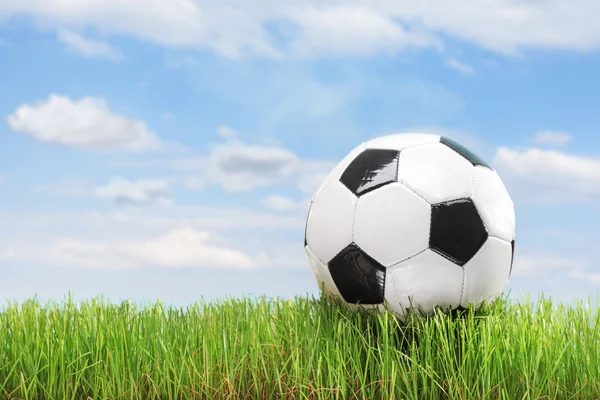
(411, 221)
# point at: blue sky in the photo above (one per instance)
(168, 149)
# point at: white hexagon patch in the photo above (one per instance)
(423, 282)
(435, 172)
(329, 225)
(392, 224)
(486, 273)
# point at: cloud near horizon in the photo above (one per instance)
(177, 248)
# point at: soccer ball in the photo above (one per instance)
(409, 222)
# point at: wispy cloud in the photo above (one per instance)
(459, 66)
(280, 203)
(552, 138)
(89, 47)
(138, 192)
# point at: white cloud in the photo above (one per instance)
(280, 203)
(350, 30)
(188, 248)
(229, 29)
(549, 176)
(138, 192)
(237, 167)
(459, 66)
(552, 138)
(508, 26)
(237, 28)
(88, 47)
(86, 123)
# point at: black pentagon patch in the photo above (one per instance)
(358, 277)
(371, 169)
(512, 259)
(463, 151)
(457, 231)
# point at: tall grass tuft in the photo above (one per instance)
(304, 348)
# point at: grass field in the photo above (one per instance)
(298, 349)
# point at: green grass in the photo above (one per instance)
(298, 349)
